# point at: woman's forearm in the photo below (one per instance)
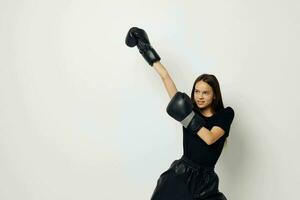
(166, 78)
(160, 69)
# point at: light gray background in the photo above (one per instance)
(82, 116)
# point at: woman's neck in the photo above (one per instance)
(207, 112)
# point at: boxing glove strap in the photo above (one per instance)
(186, 121)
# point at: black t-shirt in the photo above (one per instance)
(200, 152)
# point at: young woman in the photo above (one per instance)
(206, 125)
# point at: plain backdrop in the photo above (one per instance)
(82, 116)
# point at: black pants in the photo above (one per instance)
(186, 180)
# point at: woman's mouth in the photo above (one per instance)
(200, 102)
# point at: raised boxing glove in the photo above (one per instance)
(138, 37)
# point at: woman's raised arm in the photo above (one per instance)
(166, 78)
(138, 37)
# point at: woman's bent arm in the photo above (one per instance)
(166, 78)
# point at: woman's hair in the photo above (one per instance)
(217, 103)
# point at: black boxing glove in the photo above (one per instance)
(181, 109)
(138, 37)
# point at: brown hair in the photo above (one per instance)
(217, 103)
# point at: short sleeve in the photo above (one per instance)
(224, 119)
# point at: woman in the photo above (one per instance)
(206, 124)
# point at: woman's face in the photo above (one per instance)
(203, 94)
